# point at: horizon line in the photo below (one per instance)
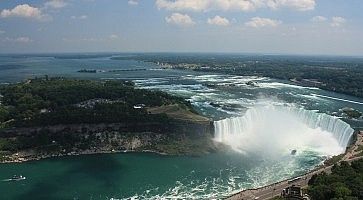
(181, 52)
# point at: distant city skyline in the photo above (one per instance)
(305, 27)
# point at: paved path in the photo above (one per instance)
(275, 189)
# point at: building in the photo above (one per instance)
(294, 193)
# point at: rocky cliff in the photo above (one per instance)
(186, 134)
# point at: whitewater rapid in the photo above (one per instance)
(277, 130)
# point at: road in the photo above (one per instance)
(273, 190)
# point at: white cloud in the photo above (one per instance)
(114, 37)
(18, 40)
(195, 5)
(25, 11)
(56, 4)
(337, 21)
(319, 19)
(180, 19)
(82, 17)
(218, 20)
(257, 22)
(133, 2)
(301, 5)
(2, 32)
(241, 5)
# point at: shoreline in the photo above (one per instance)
(350, 155)
(86, 152)
(270, 190)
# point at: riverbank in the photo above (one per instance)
(186, 134)
(355, 152)
(207, 146)
(17, 158)
(54, 117)
(179, 138)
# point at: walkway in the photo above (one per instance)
(275, 189)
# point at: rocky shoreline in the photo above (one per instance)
(16, 159)
(179, 138)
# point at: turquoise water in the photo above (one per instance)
(150, 176)
(17, 68)
(141, 175)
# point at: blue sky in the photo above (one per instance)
(324, 27)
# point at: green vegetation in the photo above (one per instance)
(342, 80)
(195, 146)
(351, 113)
(345, 182)
(341, 74)
(58, 116)
(40, 102)
(333, 160)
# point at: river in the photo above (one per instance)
(150, 176)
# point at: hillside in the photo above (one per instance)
(52, 117)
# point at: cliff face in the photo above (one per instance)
(174, 137)
(172, 127)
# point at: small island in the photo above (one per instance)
(352, 113)
(42, 118)
(87, 71)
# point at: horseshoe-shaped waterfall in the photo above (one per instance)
(274, 128)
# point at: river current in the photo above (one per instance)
(231, 101)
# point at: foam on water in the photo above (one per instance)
(266, 131)
(230, 179)
(338, 99)
(283, 85)
(275, 130)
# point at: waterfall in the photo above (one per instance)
(289, 127)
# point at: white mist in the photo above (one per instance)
(277, 130)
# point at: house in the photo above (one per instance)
(294, 193)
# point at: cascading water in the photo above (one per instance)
(278, 129)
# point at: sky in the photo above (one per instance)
(312, 27)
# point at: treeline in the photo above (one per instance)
(339, 74)
(100, 113)
(40, 102)
(345, 182)
(343, 80)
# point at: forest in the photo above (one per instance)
(44, 101)
(338, 74)
(345, 182)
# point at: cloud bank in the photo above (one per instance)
(24, 11)
(180, 19)
(258, 22)
(237, 5)
(218, 21)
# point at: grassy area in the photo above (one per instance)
(187, 146)
(333, 160)
(177, 111)
(41, 102)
